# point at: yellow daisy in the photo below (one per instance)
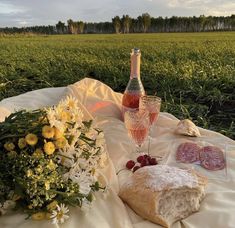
(39, 216)
(52, 206)
(49, 148)
(31, 139)
(58, 133)
(60, 143)
(38, 153)
(9, 146)
(22, 143)
(48, 132)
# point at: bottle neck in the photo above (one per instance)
(135, 65)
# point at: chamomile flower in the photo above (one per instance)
(48, 132)
(59, 214)
(49, 148)
(31, 139)
(22, 143)
(9, 146)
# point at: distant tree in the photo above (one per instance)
(126, 23)
(146, 21)
(116, 24)
(80, 27)
(233, 22)
(70, 26)
(60, 27)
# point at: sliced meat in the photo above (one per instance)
(212, 158)
(188, 152)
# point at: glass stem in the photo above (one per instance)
(149, 137)
(138, 148)
(149, 145)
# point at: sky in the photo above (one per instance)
(21, 13)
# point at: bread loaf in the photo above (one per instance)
(164, 194)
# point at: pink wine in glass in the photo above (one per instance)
(153, 117)
(138, 135)
(134, 89)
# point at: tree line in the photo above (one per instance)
(142, 24)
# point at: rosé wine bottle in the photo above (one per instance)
(134, 89)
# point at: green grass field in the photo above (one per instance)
(193, 73)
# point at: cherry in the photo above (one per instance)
(135, 168)
(146, 156)
(153, 161)
(130, 164)
(140, 158)
(144, 162)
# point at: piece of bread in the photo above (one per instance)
(164, 194)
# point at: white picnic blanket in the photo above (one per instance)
(100, 102)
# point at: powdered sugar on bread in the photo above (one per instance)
(162, 177)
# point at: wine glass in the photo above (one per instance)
(151, 104)
(137, 124)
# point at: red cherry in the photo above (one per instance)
(153, 161)
(146, 156)
(130, 164)
(140, 158)
(144, 162)
(135, 168)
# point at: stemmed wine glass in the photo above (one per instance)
(151, 104)
(137, 124)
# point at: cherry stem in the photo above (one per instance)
(120, 171)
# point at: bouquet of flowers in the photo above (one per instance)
(49, 159)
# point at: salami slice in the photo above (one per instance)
(188, 152)
(212, 158)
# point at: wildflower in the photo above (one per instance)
(9, 146)
(52, 206)
(12, 154)
(47, 185)
(72, 102)
(29, 173)
(31, 139)
(59, 215)
(60, 143)
(51, 165)
(39, 169)
(39, 216)
(58, 133)
(22, 143)
(48, 132)
(38, 153)
(49, 148)
(64, 116)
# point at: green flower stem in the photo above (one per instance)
(67, 194)
(11, 136)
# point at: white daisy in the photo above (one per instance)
(59, 215)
